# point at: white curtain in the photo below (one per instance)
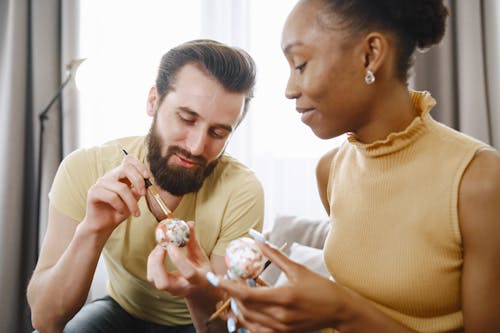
(271, 140)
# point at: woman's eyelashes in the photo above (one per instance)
(301, 67)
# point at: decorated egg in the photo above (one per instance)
(244, 258)
(172, 230)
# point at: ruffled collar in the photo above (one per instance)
(423, 103)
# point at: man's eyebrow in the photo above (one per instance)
(193, 113)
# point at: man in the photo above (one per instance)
(99, 203)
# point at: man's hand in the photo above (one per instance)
(114, 196)
(189, 278)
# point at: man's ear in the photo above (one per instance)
(152, 99)
(375, 51)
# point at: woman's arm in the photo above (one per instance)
(479, 218)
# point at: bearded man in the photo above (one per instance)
(99, 204)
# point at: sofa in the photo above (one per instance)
(304, 238)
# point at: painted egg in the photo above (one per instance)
(244, 258)
(172, 230)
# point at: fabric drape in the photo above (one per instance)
(31, 58)
(463, 72)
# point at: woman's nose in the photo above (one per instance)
(292, 90)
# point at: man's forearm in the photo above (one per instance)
(57, 293)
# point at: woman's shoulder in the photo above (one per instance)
(324, 164)
(323, 175)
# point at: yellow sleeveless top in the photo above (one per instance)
(395, 235)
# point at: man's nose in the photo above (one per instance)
(197, 141)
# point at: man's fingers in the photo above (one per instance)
(135, 172)
(155, 265)
(118, 195)
(183, 265)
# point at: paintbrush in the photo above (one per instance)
(258, 280)
(156, 195)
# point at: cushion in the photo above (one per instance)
(294, 229)
(308, 256)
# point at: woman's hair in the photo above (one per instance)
(414, 23)
(232, 67)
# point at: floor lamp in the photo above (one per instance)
(42, 117)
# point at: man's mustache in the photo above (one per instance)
(178, 150)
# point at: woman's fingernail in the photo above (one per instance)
(231, 325)
(234, 306)
(212, 279)
(243, 330)
(230, 275)
(257, 235)
(251, 282)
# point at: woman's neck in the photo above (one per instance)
(392, 112)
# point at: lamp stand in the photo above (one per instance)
(42, 118)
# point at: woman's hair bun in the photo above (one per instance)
(423, 20)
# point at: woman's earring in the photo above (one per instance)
(369, 77)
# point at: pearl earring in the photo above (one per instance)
(369, 77)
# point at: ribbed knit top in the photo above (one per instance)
(395, 235)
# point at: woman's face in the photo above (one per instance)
(327, 70)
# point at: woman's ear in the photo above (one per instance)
(152, 99)
(375, 49)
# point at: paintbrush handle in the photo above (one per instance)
(220, 310)
(156, 195)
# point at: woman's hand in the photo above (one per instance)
(307, 302)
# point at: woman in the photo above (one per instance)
(414, 205)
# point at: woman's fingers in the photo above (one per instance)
(277, 257)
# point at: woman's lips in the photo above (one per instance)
(306, 114)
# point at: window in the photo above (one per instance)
(124, 41)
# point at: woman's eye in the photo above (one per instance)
(301, 67)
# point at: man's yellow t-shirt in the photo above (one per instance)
(230, 202)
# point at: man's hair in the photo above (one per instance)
(232, 67)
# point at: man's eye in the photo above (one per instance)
(219, 133)
(187, 120)
(301, 67)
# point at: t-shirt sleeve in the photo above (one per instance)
(72, 181)
(244, 210)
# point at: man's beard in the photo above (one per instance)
(176, 180)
